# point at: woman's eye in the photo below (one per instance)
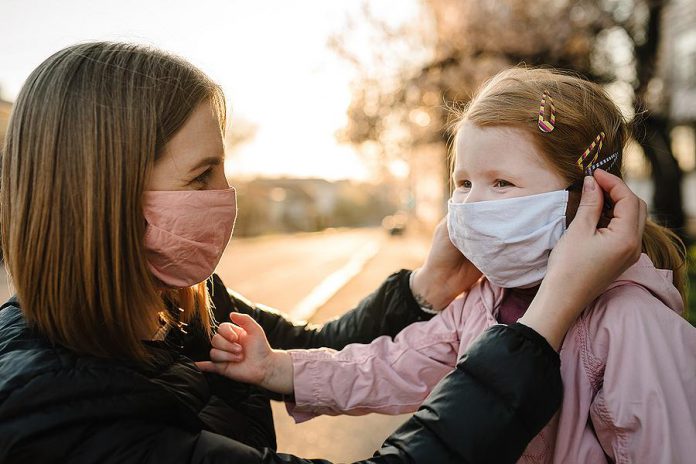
(203, 177)
(502, 183)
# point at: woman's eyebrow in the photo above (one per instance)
(209, 161)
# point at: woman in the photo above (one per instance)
(111, 173)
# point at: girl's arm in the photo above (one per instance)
(387, 376)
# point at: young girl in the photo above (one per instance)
(629, 362)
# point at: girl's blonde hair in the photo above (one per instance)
(584, 110)
(83, 136)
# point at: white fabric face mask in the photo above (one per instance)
(509, 240)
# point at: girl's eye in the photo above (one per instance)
(465, 184)
(500, 183)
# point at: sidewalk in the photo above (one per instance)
(346, 438)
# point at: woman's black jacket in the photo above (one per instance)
(58, 406)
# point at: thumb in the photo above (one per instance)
(247, 323)
(208, 366)
(590, 208)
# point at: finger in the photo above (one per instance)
(209, 366)
(225, 356)
(625, 201)
(228, 331)
(590, 208)
(247, 323)
(219, 342)
(630, 212)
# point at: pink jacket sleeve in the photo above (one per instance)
(387, 376)
(645, 407)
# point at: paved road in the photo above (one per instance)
(281, 270)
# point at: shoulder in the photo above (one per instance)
(24, 354)
(630, 318)
(38, 375)
(628, 305)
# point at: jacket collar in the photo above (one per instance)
(642, 273)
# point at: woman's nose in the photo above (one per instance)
(219, 180)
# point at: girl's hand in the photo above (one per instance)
(241, 352)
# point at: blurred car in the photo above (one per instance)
(395, 224)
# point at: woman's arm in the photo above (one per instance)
(587, 259)
(386, 311)
(473, 415)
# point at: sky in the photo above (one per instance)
(270, 56)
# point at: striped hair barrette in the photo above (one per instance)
(547, 125)
(597, 142)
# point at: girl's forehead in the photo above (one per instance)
(499, 147)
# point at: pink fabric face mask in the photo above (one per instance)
(187, 232)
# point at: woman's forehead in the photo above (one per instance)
(198, 139)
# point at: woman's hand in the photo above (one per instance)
(587, 259)
(241, 352)
(445, 274)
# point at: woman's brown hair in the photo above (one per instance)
(584, 110)
(83, 136)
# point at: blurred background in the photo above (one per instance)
(337, 139)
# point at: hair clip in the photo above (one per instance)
(550, 124)
(597, 142)
(610, 160)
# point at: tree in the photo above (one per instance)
(609, 41)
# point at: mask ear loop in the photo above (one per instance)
(609, 160)
(606, 164)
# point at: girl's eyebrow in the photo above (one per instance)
(489, 173)
(209, 161)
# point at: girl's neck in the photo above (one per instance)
(515, 304)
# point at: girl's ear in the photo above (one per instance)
(573, 203)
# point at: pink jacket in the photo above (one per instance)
(628, 366)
